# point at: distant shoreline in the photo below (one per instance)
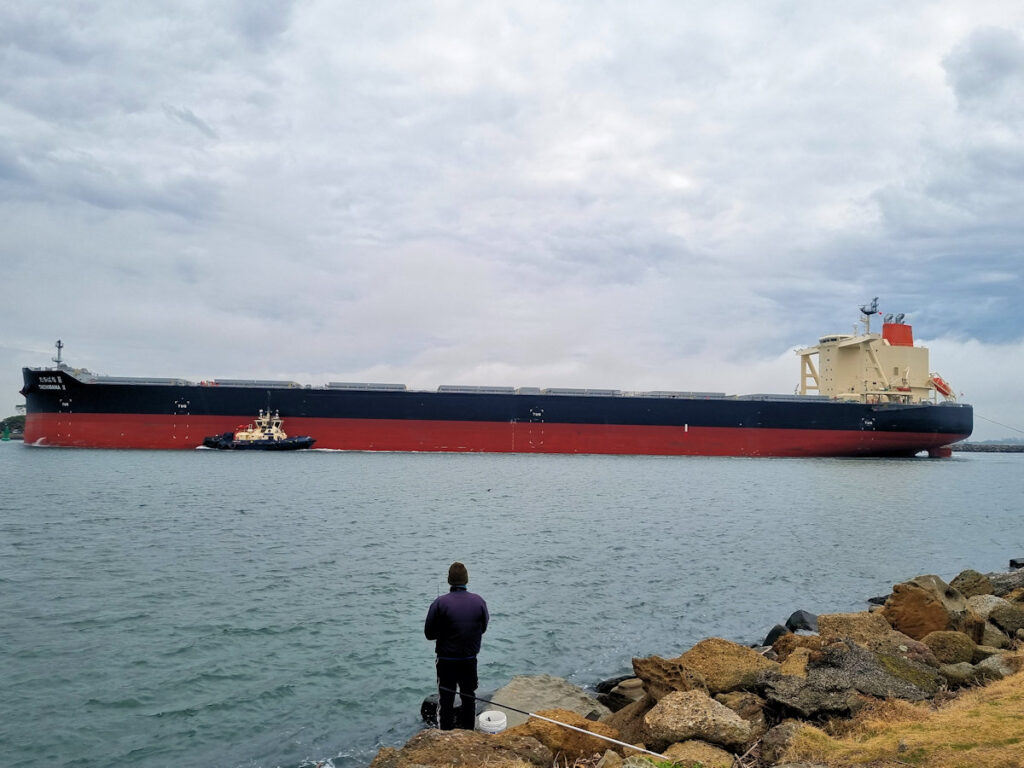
(989, 447)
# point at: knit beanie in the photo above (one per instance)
(458, 576)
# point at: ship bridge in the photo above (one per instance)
(870, 367)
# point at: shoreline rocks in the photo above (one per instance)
(531, 693)
(720, 699)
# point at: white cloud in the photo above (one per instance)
(989, 377)
(662, 196)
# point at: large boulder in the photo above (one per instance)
(982, 652)
(699, 753)
(531, 693)
(726, 666)
(842, 672)
(802, 620)
(683, 715)
(980, 627)
(1005, 583)
(662, 676)
(807, 698)
(750, 707)
(463, 748)
(777, 740)
(861, 627)
(970, 583)
(950, 647)
(994, 637)
(999, 666)
(1008, 617)
(786, 644)
(924, 604)
(629, 721)
(774, 634)
(959, 675)
(565, 741)
(983, 605)
(872, 631)
(882, 675)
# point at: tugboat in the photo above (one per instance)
(265, 435)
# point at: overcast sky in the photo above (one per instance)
(643, 195)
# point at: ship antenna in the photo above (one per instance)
(60, 346)
(868, 310)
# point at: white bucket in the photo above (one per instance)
(491, 722)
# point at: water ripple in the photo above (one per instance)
(149, 622)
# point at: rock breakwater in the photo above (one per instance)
(721, 703)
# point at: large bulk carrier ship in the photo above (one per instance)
(860, 394)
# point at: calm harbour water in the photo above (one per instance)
(260, 610)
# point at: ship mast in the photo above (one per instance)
(60, 346)
(867, 310)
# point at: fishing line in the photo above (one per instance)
(556, 722)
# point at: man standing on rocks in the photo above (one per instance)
(457, 621)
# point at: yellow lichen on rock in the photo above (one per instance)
(726, 666)
(796, 662)
(695, 751)
(565, 741)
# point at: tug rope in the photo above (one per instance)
(998, 424)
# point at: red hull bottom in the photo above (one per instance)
(89, 430)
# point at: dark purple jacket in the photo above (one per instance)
(456, 621)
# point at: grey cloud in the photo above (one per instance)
(262, 22)
(28, 31)
(86, 179)
(12, 169)
(539, 187)
(986, 72)
(953, 225)
(188, 117)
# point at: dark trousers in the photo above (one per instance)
(455, 674)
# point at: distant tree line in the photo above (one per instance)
(13, 423)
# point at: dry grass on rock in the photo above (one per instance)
(982, 728)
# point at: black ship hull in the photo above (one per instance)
(65, 410)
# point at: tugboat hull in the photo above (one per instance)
(226, 442)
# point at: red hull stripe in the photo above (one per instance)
(90, 430)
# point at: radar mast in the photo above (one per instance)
(867, 310)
